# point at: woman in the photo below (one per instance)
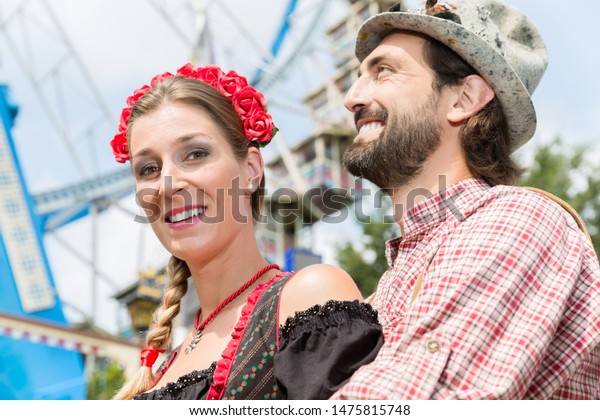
(193, 139)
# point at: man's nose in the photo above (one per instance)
(359, 95)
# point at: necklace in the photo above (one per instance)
(231, 297)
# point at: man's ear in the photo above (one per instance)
(471, 96)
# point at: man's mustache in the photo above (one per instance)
(379, 113)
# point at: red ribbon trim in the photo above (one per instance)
(149, 355)
(224, 365)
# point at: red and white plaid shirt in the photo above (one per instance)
(509, 306)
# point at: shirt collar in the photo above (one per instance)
(452, 202)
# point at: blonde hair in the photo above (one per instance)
(159, 335)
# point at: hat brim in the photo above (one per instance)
(491, 65)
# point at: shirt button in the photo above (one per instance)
(433, 346)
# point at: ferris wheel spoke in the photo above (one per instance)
(86, 260)
(264, 53)
(100, 102)
(168, 17)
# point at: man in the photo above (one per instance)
(493, 291)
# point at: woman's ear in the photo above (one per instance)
(471, 96)
(254, 166)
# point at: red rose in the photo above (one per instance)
(120, 148)
(210, 75)
(259, 127)
(160, 78)
(188, 71)
(234, 74)
(137, 94)
(248, 100)
(231, 83)
(125, 114)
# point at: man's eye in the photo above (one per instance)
(382, 69)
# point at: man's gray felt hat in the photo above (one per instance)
(496, 39)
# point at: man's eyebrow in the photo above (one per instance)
(371, 62)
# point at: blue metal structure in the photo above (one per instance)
(263, 81)
(279, 38)
(298, 258)
(28, 370)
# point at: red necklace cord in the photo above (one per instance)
(230, 298)
(200, 328)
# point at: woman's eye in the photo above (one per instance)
(197, 154)
(148, 170)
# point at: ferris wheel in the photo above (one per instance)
(70, 70)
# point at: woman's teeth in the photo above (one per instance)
(178, 217)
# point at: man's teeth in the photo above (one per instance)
(178, 217)
(370, 127)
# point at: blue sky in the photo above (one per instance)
(567, 98)
(123, 44)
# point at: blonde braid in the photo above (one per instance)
(159, 335)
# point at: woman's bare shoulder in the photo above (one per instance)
(315, 285)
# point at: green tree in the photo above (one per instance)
(105, 381)
(565, 172)
(366, 261)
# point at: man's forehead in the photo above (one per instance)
(396, 46)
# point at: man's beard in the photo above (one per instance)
(397, 156)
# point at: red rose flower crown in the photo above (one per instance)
(249, 103)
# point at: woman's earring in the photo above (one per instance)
(251, 186)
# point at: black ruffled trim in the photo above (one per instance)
(183, 382)
(322, 317)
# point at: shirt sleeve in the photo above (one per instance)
(322, 347)
(509, 309)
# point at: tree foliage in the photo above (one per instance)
(366, 261)
(105, 381)
(565, 172)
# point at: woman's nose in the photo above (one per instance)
(173, 180)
